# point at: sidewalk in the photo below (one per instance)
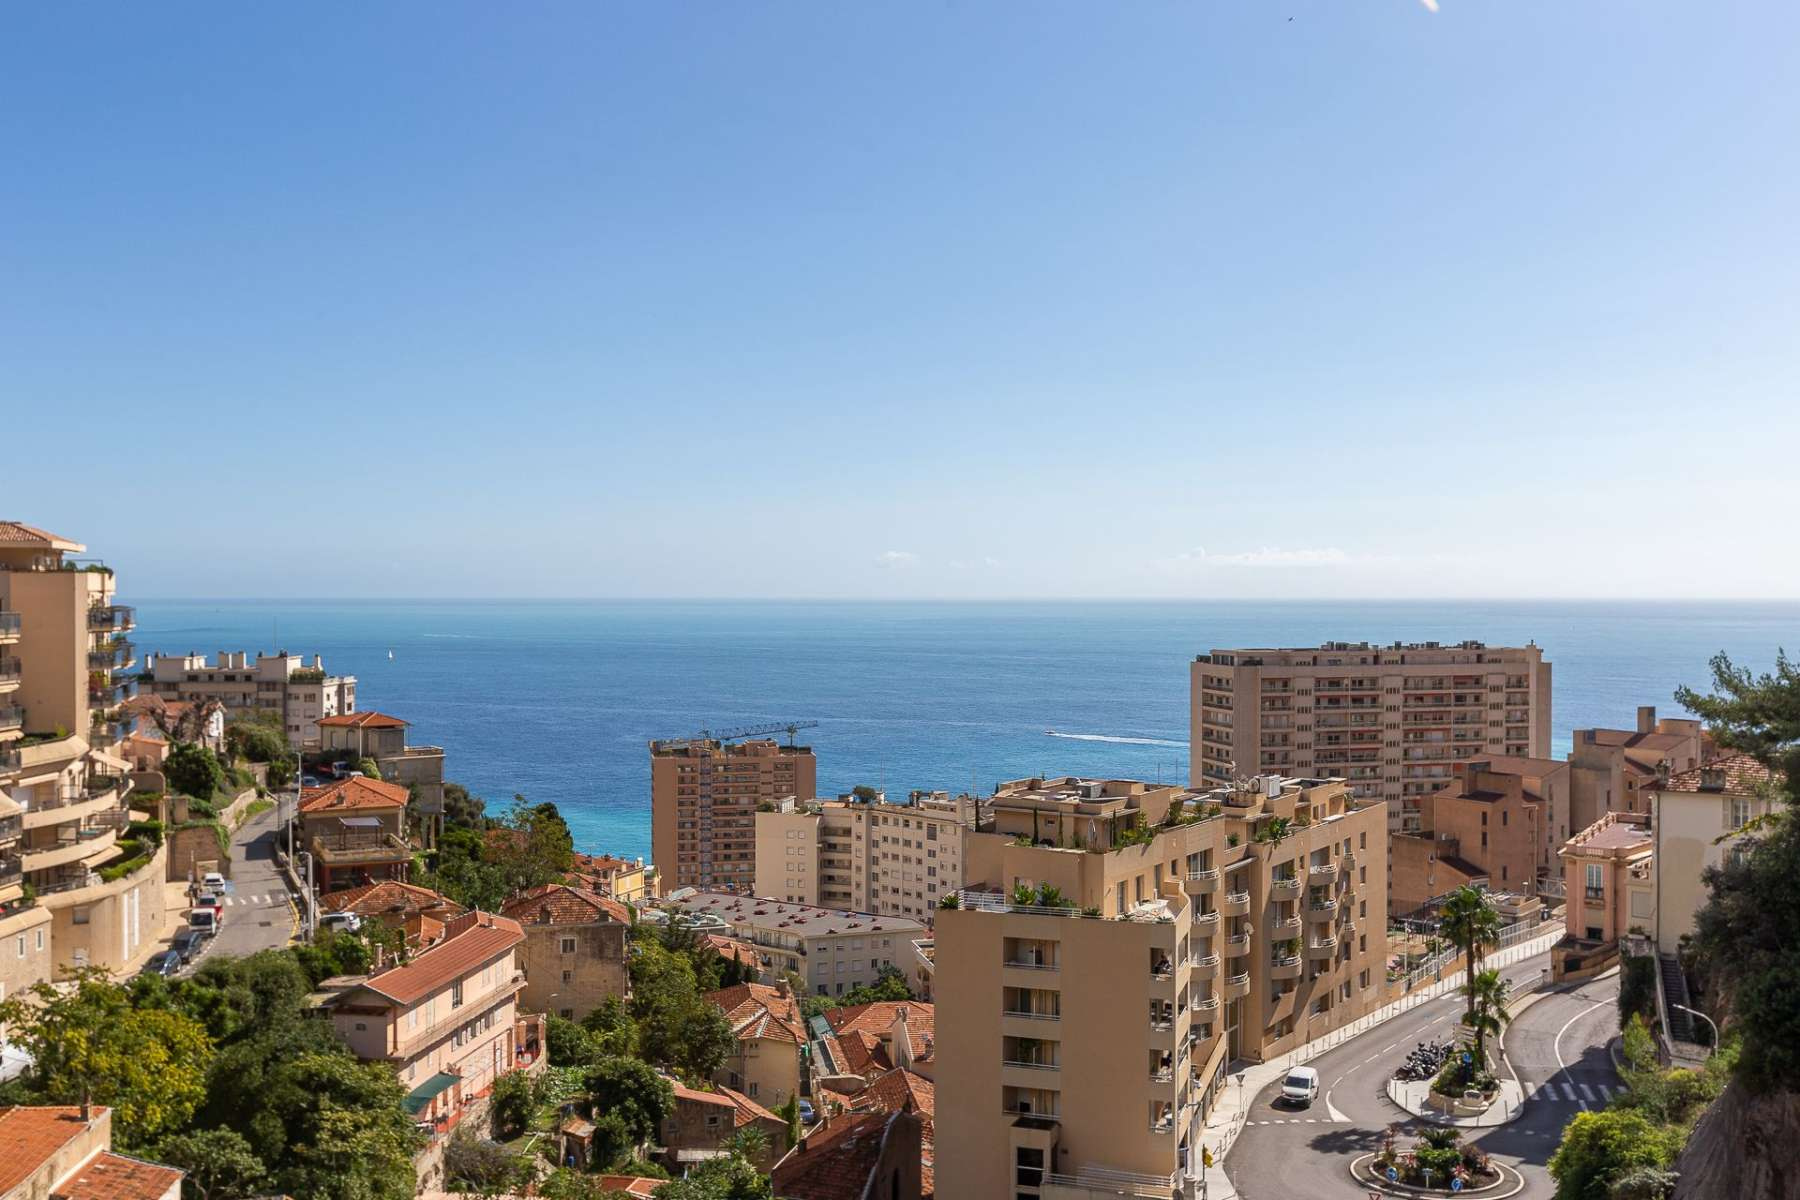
(1226, 1120)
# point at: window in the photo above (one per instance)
(79, 916)
(568, 945)
(456, 994)
(1596, 881)
(1740, 811)
(568, 977)
(21, 945)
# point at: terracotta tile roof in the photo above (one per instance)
(756, 1011)
(17, 533)
(29, 1135)
(1743, 775)
(862, 1052)
(835, 1161)
(901, 1090)
(481, 939)
(631, 1185)
(562, 904)
(733, 948)
(603, 864)
(744, 1110)
(362, 720)
(696, 1096)
(116, 1177)
(878, 1018)
(356, 792)
(387, 896)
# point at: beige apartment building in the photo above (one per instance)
(574, 955)
(867, 855)
(1607, 873)
(1696, 817)
(1500, 823)
(65, 669)
(381, 737)
(766, 1022)
(703, 800)
(1389, 719)
(1613, 770)
(301, 692)
(834, 951)
(1168, 931)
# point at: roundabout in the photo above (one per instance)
(1501, 1182)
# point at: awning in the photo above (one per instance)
(426, 1092)
(360, 822)
(111, 760)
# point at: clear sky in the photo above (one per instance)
(933, 299)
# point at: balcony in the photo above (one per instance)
(1322, 873)
(1206, 920)
(11, 718)
(1322, 910)
(118, 618)
(1285, 925)
(350, 851)
(1206, 966)
(89, 844)
(114, 655)
(1237, 945)
(1237, 986)
(1284, 885)
(1235, 904)
(1322, 949)
(1203, 883)
(12, 870)
(11, 672)
(10, 626)
(1204, 1004)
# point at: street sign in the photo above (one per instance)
(1456, 1185)
(1392, 1174)
(1467, 1058)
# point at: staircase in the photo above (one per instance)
(1674, 986)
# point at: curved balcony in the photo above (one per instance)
(71, 804)
(1206, 967)
(1205, 921)
(1322, 910)
(1322, 949)
(1284, 886)
(1235, 904)
(1324, 873)
(83, 849)
(1237, 944)
(1285, 924)
(1237, 986)
(1285, 968)
(1202, 883)
(1204, 1004)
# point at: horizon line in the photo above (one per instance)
(1571, 599)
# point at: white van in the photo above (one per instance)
(1301, 1087)
(204, 921)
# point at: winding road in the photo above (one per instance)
(1557, 1047)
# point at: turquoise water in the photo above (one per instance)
(555, 700)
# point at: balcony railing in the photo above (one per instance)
(11, 670)
(11, 870)
(10, 624)
(1030, 1066)
(119, 617)
(1031, 1016)
(1029, 966)
(386, 848)
(1284, 883)
(12, 717)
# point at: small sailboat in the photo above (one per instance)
(390, 656)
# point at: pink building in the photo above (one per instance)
(1606, 871)
(446, 1021)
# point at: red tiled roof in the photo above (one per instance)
(17, 533)
(876, 1018)
(631, 1185)
(756, 1010)
(835, 1161)
(362, 720)
(901, 1090)
(30, 1135)
(563, 904)
(358, 791)
(1743, 775)
(116, 1177)
(483, 939)
(744, 1109)
(733, 948)
(387, 896)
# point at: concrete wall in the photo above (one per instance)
(106, 925)
(25, 950)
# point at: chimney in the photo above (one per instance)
(1646, 718)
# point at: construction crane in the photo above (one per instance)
(731, 735)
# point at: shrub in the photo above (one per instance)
(1601, 1147)
(1440, 1162)
(194, 771)
(514, 1101)
(1637, 987)
(149, 832)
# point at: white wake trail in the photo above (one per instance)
(1124, 741)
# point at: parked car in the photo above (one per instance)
(309, 781)
(187, 944)
(207, 900)
(1301, 1087)
(212, 881)
(348, 922)
(204, 921)
(806, 1112)
(166, 963)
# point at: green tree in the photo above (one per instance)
(478, 1166)
(369, 767)
(281, 773)
(335, 952)
(613, 1141)
(676, 1026)
(332, 1128)
(256, 741)
(1468, 918)
(729, 1178)
(88, 1045)
(634, 1092)
(1599, 1147)
(219, 1163)
(568, 1044)
(1488, 991)
(612, 1027)
(515, 1099)
(193, 770)
(1743, 937)
(750, 1143)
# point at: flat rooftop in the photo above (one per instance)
(804, 920)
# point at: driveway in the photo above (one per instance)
(259, 912)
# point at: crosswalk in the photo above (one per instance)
(249, 901)
(1297, 1121)
(1563, 1091)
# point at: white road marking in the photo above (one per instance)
(1387, 1048)
(1568, 1091)
(1587, 1093)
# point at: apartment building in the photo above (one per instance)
(574, 955)
(1388, 719)
(300, 691)
(59, 1152)
(1613, 770)
(355, 829)
(625, 879)
(1607, 874)
(1500, 823)
(765, 1020)
(1696, 819)
(381, 737)
(446, 1021)
(864, 854)
(65, 668)
(833, 950)
(704, 795)
(1125, 941)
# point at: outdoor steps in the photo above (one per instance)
(1674, 986)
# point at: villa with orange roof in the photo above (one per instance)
(57, 1151)
(356, 831)
(381, 737)
(870, 1039)
(702, 1122)
(574, 953)
(770, 1033)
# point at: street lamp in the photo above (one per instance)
(1709, 1021)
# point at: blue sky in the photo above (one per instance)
(1149, 299)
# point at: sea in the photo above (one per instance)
(556, 700)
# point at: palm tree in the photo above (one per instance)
(1469, 919)
(751, 1143)
(1487, 994)
(1276, 831)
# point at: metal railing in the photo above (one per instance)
(11, 624)
(12, 717)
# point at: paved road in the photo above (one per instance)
(259, 913)
(1560, 1040)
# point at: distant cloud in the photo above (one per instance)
(1267, 556)
(897, 559)
(963, 564)
(1430, 5)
